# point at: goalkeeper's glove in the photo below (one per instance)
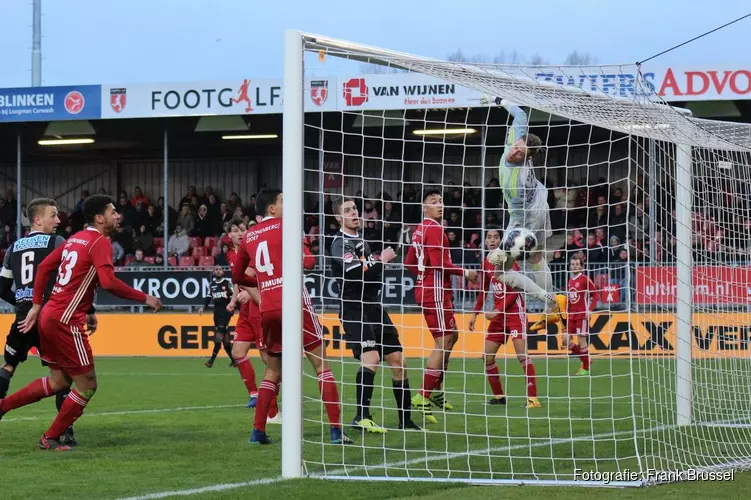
(497, 257)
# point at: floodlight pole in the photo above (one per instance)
(36, 44)
(19, 215)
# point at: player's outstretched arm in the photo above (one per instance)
(239, 276)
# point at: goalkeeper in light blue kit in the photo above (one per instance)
(527, 203)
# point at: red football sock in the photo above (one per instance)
(330, 396)
(574, 348)
(494, 378)
(274, 407)
(584, 356)
(245, 367)
(38, 389)
(265, 396)
(70, 411)
(529, 369)
(431, 381)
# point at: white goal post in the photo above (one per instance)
(670, 386)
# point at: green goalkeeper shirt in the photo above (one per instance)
(520, 186)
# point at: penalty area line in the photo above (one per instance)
(205, 489)
(341, 473)
(129, 412)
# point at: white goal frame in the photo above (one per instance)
(296, 43)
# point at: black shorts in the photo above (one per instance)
(18, 345)
(369, 328)
(221, 322)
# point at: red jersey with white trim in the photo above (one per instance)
(250, 308)
(262, 248)
(429, 260)
(581, 296)
(77, 280)
(505, 299)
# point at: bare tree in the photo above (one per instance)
(577, 58)
(537, 60)
(457, 56)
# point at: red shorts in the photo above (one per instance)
(65, 347)
(439, 315)
(246, 329)
(272, 331)
(506, 326)
(577, 325)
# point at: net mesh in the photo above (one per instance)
(609, 164)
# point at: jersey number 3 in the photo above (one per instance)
(65, 271)
(263, 261)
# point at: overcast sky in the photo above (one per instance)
(129, 41)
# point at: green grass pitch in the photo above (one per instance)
(171, 425)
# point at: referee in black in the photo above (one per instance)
(368, 329)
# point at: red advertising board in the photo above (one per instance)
(711, 285)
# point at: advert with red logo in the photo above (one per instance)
(711, 285)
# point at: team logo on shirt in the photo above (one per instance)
(348, 258)
(573, 295)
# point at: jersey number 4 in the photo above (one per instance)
(65, 271)
(263, 261)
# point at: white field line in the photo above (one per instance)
(386, 465)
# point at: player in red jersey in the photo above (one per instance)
(430, 261)
(508, 319)
(582, 297)
(246, 331)
(262, 251)
(82, 263)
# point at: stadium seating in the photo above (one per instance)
(158, 242)
(172, 261)
(215, 251)
(150, 260)
(210, 241)
(187, 261)
(206, 261)
(195, 241)
(200, 252)
(128, 260)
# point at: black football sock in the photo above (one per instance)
(364, 384)
(60, 398)
(217, 346)
(227, 346)
(5, 377)
(403, 397)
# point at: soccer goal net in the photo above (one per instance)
(653, 202)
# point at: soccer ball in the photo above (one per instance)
(519, 243)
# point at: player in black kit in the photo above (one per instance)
(220, 292)
(368, 328)
(19, 268)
